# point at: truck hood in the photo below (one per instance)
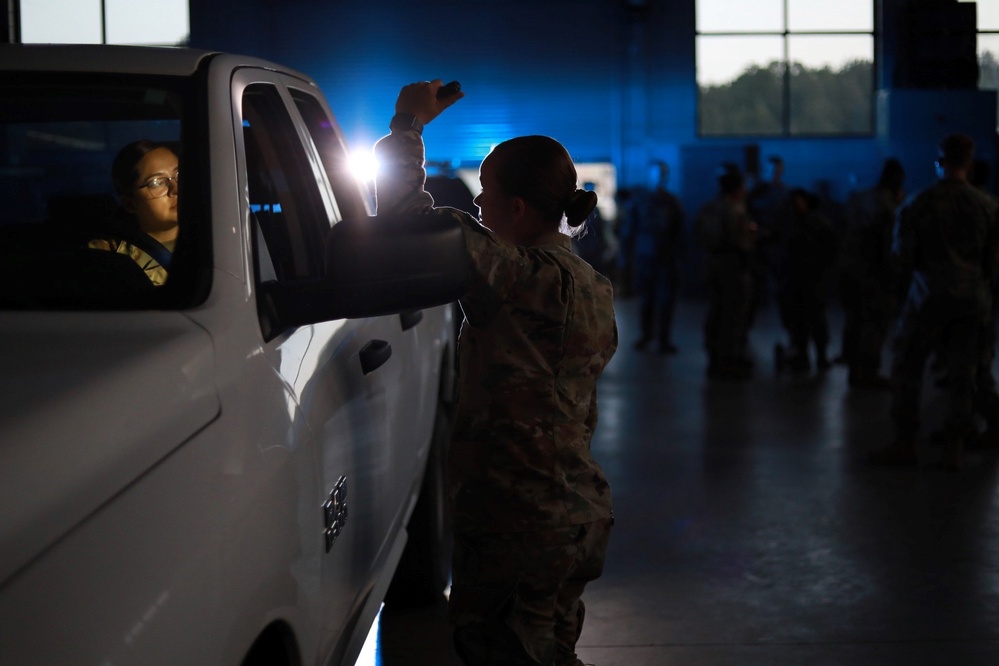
(88, 402)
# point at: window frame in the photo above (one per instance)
(992, 32)
(786, 35)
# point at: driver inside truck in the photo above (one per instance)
(146, 178)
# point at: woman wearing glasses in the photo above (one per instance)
(145, 175)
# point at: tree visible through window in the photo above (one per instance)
(785, 67)
(988, 46)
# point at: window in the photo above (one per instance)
(785, 67)
(60, 137)
(333, 154)
(988, 46)
(283, 193)
(160, 23)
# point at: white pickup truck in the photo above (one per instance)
(232, 467)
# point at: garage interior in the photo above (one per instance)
(750, 528)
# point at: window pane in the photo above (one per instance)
(723, 59)
(60, 22)
(839, 16)
(831, 84)
(331, 151)
(988, 62)
(832, 51)
(988, 14)
(728, 16)
(282, 188)
(742, 97)
(165, 22)
(61, 214)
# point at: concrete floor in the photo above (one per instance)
(751, 530)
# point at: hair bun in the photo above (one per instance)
(579, 206)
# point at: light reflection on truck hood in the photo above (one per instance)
(88, 402)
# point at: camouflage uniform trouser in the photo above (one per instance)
(867, 306)
(657, 283)
(515, 597)
(730, 291)
(953, 329)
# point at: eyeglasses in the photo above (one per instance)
(160, 186)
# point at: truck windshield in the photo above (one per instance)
(72, 236)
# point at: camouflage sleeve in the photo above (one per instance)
(496, 266)
(401, 174)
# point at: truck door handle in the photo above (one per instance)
(410, 318)
(374, 354)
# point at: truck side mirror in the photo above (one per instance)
(376, 266)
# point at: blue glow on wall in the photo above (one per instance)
(611, 85)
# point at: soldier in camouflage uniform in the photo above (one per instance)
(947, 238)
(867, 279)
(728, 237)
(531, 507)
(655, 237)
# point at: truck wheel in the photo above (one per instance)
(425, 568)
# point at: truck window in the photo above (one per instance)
(332, 152)
(284, 197)
(60, 137)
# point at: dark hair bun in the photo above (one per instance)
(579, 206)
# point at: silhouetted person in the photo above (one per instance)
(530, 506)
(768, 204)
(728, 236)
(655, 237)
(986, 391)
(802, 283)
(981, 171)
(866, 277)
(946, 238)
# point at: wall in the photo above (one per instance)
(612, 79)
(527, 67)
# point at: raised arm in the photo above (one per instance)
(402, 173)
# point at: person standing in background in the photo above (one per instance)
(946, 238)
(867, 280)
(655, 239)
(728, 236)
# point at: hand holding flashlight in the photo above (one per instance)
(427, 99)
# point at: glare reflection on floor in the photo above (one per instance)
(369, 652)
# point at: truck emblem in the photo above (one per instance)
(335, 512)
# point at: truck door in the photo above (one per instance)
(339, 375)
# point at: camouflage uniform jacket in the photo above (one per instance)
(947, 237)
(538, 331)
(868, 238)
(656, 233)
(725, 231)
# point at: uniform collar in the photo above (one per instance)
(558, 239)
